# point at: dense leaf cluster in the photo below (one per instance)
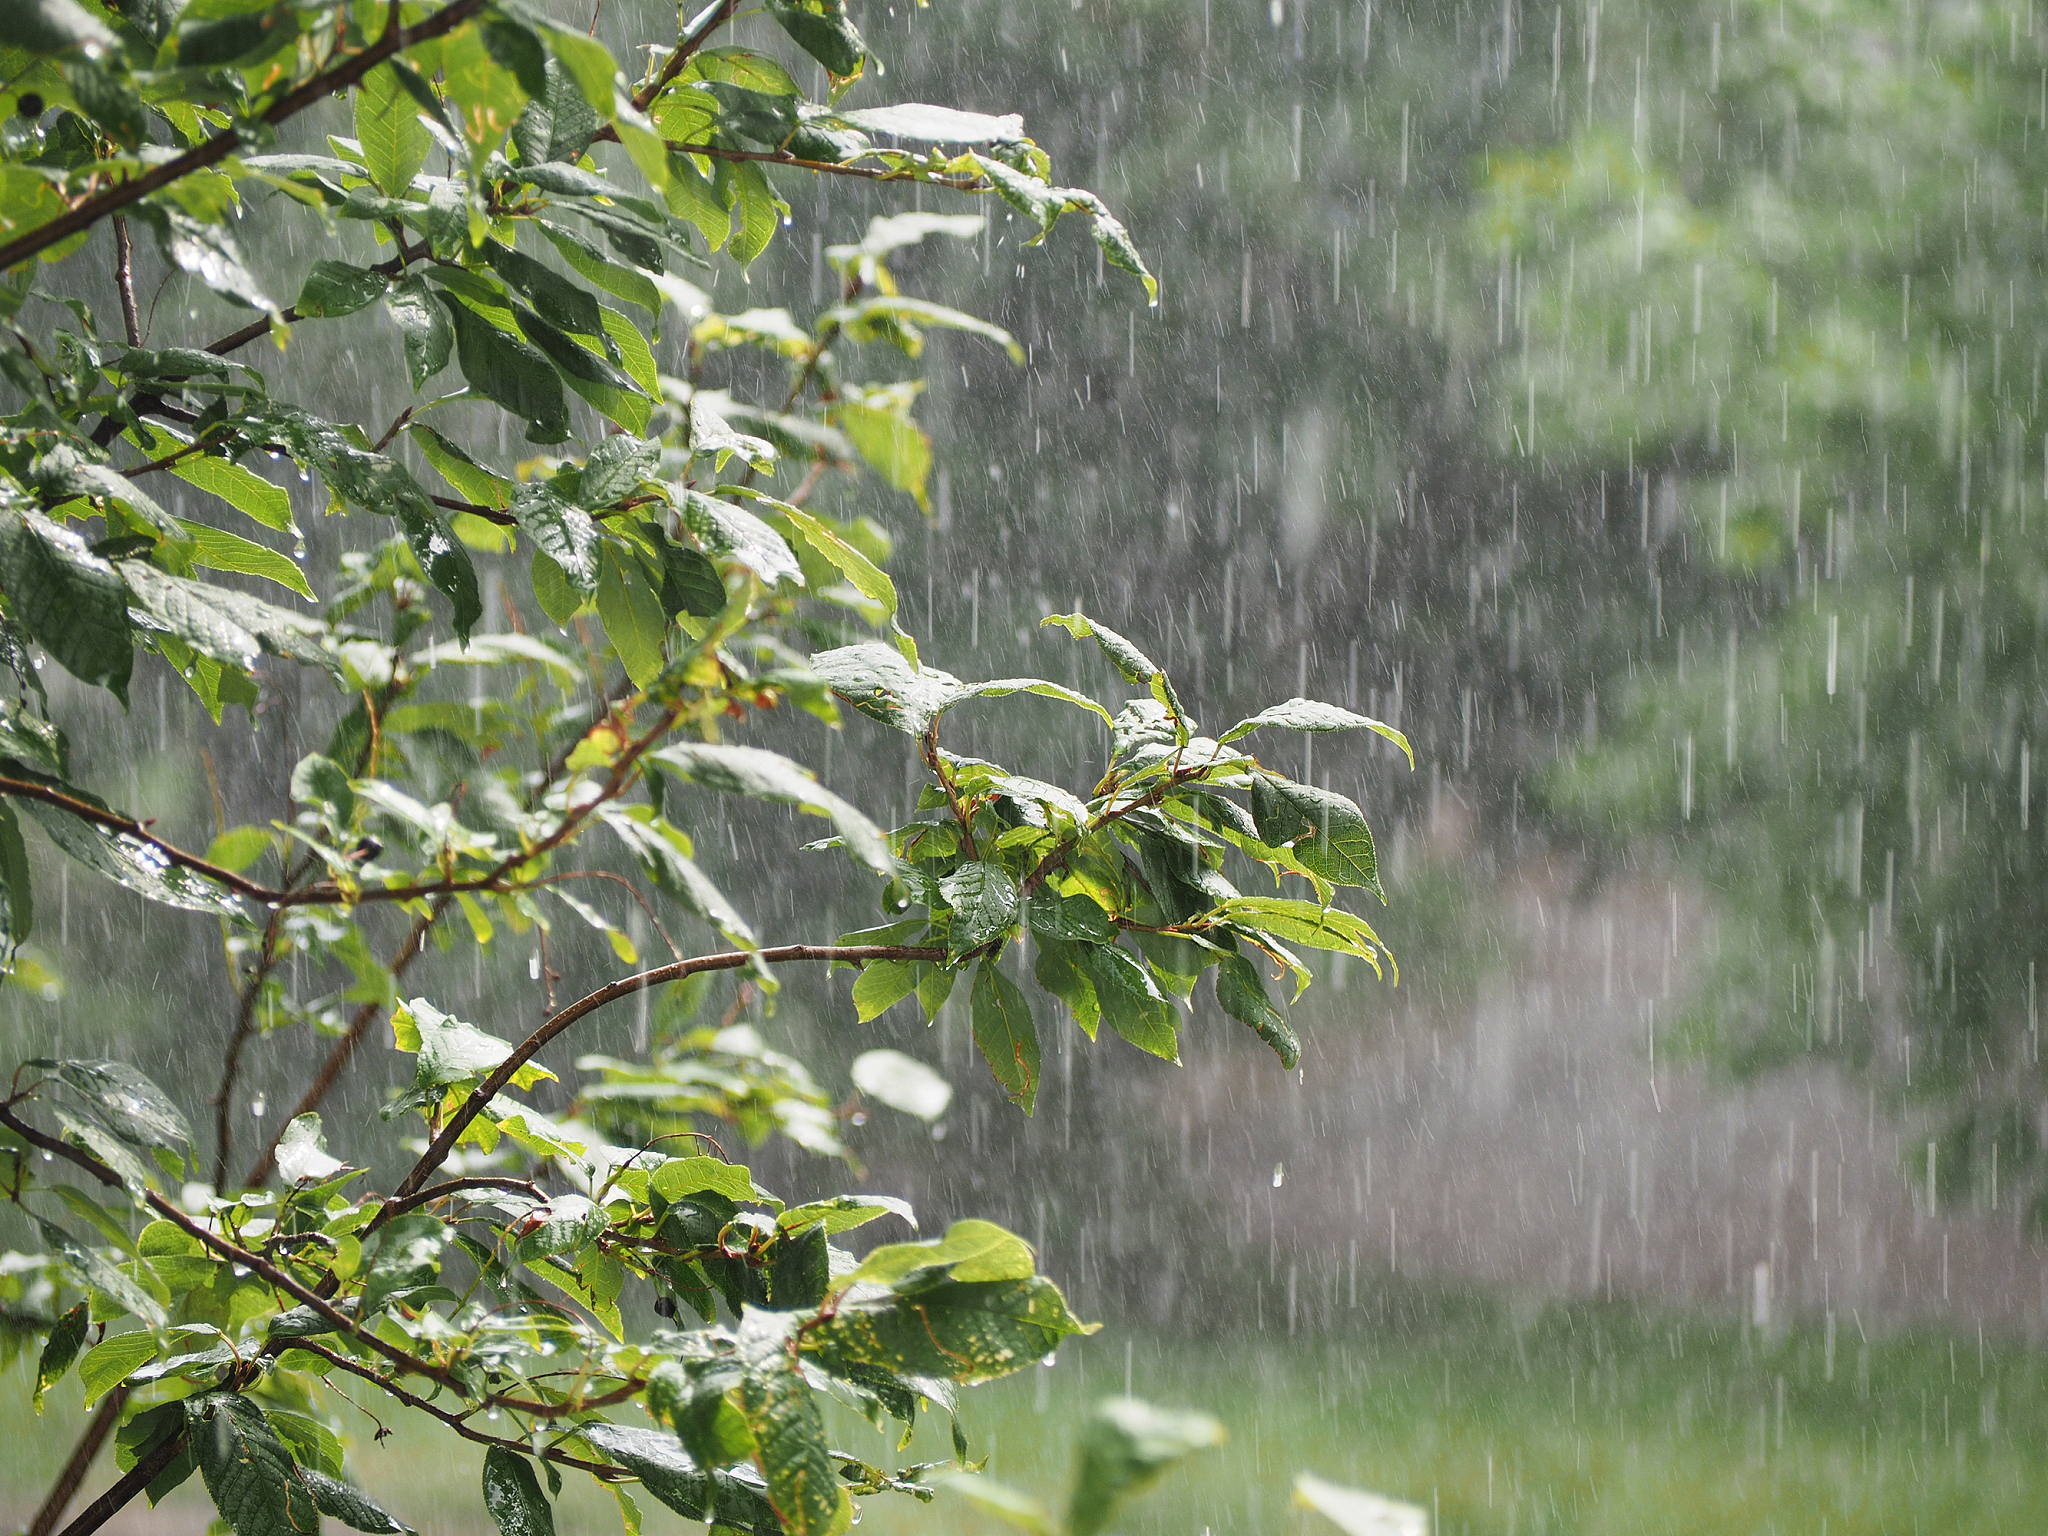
(492, 783)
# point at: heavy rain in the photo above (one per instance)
(1621, 409)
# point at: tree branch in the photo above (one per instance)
(80, 1462)
(124, 278)
(455, 1421)
(626, 986)
(223, 144)
(110, 1503)
(686, 46)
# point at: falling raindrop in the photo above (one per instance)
(258, 1105)
(1279, 1174)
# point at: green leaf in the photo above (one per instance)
(111, 1362)
(936, 125)
(74, 604)
(450, 1051)
(1131, 1002)
(232, 627)
(897, 319)
(423, 326)
(408, 1255)
(240, 36)
(563, 531)
(789, 1441)
(1326, 832)
(963, 1331)
(617, 467)
(220, 551)
(512, 1495)
(470, 479)
(1010, 1505)
(241, 488)
(1357, 1513)
(334, 288)
(1003, 1030)
(565, 1224)
(124, 1101)
(1308, 715)
(589, 64)
(1076, 917)
(394, 140)
(302, 1155)
(209, 253)
(768, 775)
(59, 1350)
(49, 27)
(252, 1477)
(823, 30)
(567, 305)
(1057, 967)
(131, 863)
(680, 1177)
(510, 372)
(17, 891)
(1132, 664)
(895, 447)
(1301, 922)
(609, 388)
(101, 1273)
(881, 985)
(733, 1498)
(624, 282)
(634, 621)
(558, 124)
(983, 897)
(1125, 1445)
(1242, 994)
(969, 1251)
(1044, 203)
(350, 1505)
(878, 681)
(733, 531)
(902, 1082)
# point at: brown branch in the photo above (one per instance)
(231, 1062)
(455, 1421)
(131, 322)
(114, 821)
(144, 1472)
(626, 986)
(223, 144)
(449, 1187)
(345, 1048)
(65, 1489)
(686, 46)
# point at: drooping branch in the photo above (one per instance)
(65, 1489)
(625, 986)
(393, 40)
(118, 1497)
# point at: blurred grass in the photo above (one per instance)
(1505, 1419)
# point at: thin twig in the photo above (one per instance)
(626, 986)
(124, 278)
(686, 46)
